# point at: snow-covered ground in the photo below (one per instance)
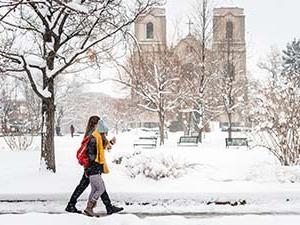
(63, 219)
(198, 178)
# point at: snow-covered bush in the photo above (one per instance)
(276, 115)
(121, 157)
(276, 108)
(154, 165)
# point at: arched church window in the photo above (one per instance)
(150, 30)
(229, 30)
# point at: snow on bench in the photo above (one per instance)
(188, 141)
(146, 142)
(236, 142)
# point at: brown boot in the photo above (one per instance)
(95, 214)
(89, 208)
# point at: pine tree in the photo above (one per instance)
(291, 59)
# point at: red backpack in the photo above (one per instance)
(81, 152)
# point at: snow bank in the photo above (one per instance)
(154, 164)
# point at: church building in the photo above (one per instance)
(228, 45)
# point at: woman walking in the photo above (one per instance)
(85, 181)
(97, 165)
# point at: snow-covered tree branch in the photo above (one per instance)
(52, 38)
(155, 82)
(276, 108)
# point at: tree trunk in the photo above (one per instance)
(59, 118)
(161, 129)
(230, 125)
(200, 133)
(189, 124)
(48, 121)
(200, 130)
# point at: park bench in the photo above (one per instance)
(188, 141)
(146, 142)
(236, 142)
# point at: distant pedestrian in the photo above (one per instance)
(57, 129)
(72, 130)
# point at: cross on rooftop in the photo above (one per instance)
(190, 23)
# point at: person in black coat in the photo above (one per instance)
(84, 182)
(72, 130)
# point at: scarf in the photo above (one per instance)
(100, 157)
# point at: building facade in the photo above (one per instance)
(228, 46)
(151, 30)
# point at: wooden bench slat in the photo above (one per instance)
(236, 142)
(146, 142)
(188, 140)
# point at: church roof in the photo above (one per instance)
(189, 39)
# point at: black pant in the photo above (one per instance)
(83, 184)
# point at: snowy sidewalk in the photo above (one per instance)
(63, 219)
(166, 203)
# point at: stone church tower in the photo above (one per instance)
(150, 30)
(229, 47)
(229, 38)
(151, 36)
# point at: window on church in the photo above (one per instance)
(229, 30)
(150, 29)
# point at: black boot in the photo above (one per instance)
(72, 208)
(84, 183)
(113, 209)
(110, 209)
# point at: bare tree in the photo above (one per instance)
(77, 104)
(154, 79)
(232, 82)
(276, 115)
(2, 93)
(199, 68)
(120, 112)
(273, 63)
(19, 117)
(55, 37)
(232, 92)
(69, 102)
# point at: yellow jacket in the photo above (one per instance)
(100, 157)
